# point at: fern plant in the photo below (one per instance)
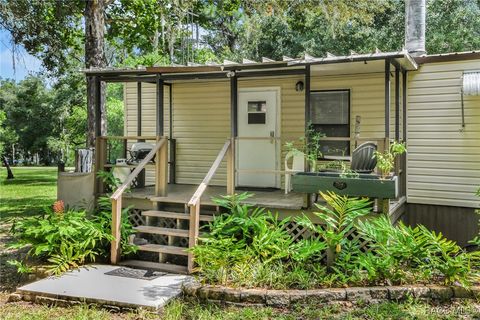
(65, 239)
(337, 220)
(476, 241)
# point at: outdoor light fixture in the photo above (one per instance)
(299, 86)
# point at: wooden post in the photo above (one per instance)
(161, 170)
(231, 168)
(385, 203)
(193, 232)
(116, 221)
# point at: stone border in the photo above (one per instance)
(285, 298)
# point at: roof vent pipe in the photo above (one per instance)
(415, 11)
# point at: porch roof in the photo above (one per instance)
(330, 64)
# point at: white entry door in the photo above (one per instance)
(258, 119)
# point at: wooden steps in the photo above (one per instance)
(162, 231)
(173, 215)
(163, 249)
(166, 251)
(165, 267)
(205, 202)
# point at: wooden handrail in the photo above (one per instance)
(129, 137)
(194, 203)
(118, 193)
(203, 185)
(116, 197)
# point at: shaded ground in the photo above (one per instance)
(34, 188)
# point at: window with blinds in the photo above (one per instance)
(330, 115)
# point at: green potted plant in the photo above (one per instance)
(386, 159)
(310, 146)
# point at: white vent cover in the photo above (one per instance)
(471, 83)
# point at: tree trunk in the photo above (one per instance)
(95, 58)
(9, 170)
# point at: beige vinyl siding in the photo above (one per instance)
(201, 125)
(367, 99)
(443, 162)
(149, 114)
(201, 117)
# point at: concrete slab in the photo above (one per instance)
(91, 284)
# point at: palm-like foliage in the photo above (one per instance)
(338, 219)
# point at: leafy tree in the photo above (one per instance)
(31, 115)
(53, 31)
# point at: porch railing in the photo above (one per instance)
(195, 201)
(161, 164)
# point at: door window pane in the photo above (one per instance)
(257, 112)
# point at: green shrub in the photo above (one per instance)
(63, 238)
(250, 247)
(476, 241)
(336, 221)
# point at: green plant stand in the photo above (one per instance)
(365, 185)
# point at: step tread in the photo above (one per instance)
(162, 231)
(204, 202)
(165, 267)
(173, 215)
(163, 249)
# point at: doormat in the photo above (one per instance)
(256, 189)
(135, 273)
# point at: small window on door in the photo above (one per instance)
(330, 115)
(257, 112)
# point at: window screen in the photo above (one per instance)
(330, 115)
(330, 107)
(257, 112)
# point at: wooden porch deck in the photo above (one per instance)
(181, 193)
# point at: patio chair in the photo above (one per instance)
(363, 160)
(139, 151)
(298, 165)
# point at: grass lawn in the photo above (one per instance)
(34, 188)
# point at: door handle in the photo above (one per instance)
(272, 136)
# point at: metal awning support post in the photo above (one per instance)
(139, 109)
(160, 109)
(307, 96)
(231, 166)
(403, 181)
(397, 103)
(308, 196)
(387, 98)
(384, 204)
(234, 105)
(172, 153)
(404, 104)
(141, 175)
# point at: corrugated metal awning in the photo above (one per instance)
(471, 83)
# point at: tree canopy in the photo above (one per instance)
(147, 32)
